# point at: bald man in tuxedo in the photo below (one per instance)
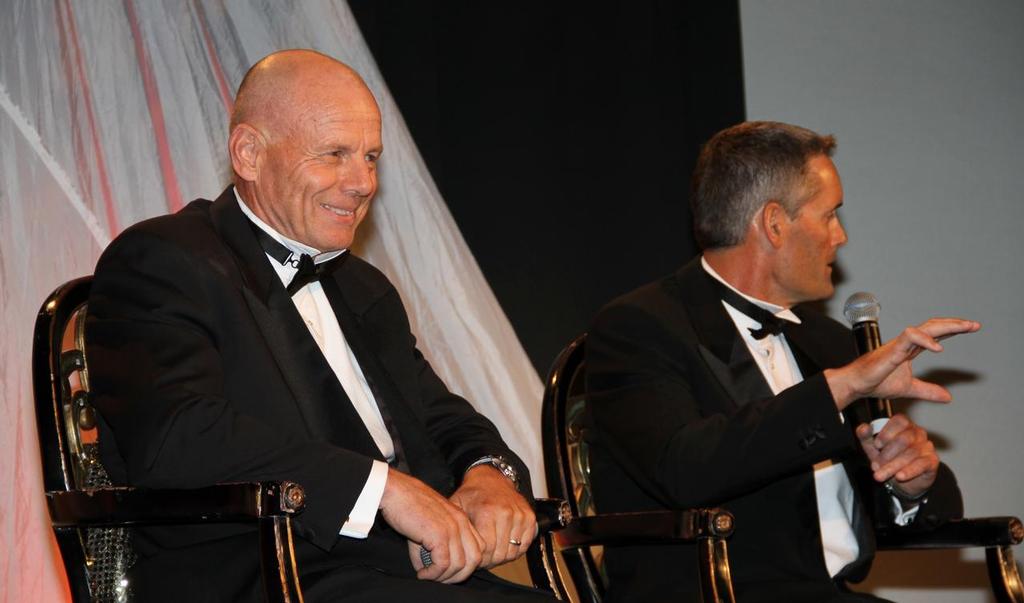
(240, 340)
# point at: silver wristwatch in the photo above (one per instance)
(499, 463)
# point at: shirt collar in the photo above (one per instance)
(776, 310)
(295, 247)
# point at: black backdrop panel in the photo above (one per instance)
(562, 137)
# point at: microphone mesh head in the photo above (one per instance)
(860, 307)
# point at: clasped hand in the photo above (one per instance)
(902, 452)
(500, 515)
(475, 528)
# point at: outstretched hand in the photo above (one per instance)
(887, 372)
(500, 515)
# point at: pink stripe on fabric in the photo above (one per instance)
(211, 54)
(82, 170)
(101, 163)
(156, 112)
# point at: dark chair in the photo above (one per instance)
(566, 463)
(568, 472)
(995, 534)
(91, 518)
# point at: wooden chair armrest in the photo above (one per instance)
(125, 506)
(650, 527)
(552, 514)
(957, 533)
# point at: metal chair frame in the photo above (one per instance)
(64, 412)
(568, 474)
(997, 535)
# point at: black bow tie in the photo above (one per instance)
(306, 270)
(309, 272)
(770, 324)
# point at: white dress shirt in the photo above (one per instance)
(832, 486)
(316, 312)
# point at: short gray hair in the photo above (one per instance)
(743, 167)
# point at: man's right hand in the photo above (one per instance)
(429, 520)
(886, 372)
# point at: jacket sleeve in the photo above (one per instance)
(655, 405)
(158, 376)
(462, 434)
(942, 503)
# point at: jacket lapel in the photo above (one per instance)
(368, 364)
(721, 347)
(321, 401)
(415, 453)
(814, 354)
(819, 353)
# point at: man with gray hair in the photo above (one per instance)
(713, 387)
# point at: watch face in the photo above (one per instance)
(506, 469)
(502, 465)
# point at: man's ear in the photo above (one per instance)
(245, 145)
(774, 222)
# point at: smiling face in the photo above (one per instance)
(319, 179)
(307, 160)
(811, 238)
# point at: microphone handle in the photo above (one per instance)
(879, 409)
(867, 338)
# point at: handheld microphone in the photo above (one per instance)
(861, 311)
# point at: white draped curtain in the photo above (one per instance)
(112, 112)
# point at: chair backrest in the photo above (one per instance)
(567, 461)
(64, 418)
(96, 559)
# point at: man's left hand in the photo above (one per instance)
(902, 452)
(499, 513)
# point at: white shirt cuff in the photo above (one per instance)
(902, 517)
(364, 512)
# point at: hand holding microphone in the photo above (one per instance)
(861, 311)
(885, 371)
(900, 453)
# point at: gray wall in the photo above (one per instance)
(925, 99)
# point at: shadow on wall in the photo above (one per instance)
(940, 570)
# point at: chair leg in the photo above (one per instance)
(277, 558)
(540, 559)
(723, 576)
(1004, 575)
(713, 565)
(69, 540)
(582, 571)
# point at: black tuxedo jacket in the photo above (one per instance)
(679, 415)
(204, 372)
